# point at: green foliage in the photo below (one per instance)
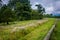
(41, 10)
(56, 33)
(22, 8)
(23, 11)
(48, 15)
(34, 14)
(6, 14)
(56, 16)
(40, 32)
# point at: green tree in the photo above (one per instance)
(23, 11)
(6, 14)
(22, 8)
(48, 15)
(41, 10)
(34, 14)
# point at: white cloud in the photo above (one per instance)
(58, 12)
(51, 6)
(33, 6)
(49, 9)
(36, 3)
(5, 2)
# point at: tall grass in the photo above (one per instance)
(56, 33)
(40, 32)
(29, 33)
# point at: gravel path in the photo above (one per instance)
(34, 24)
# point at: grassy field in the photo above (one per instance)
(29, 33)
(40, 32)
(56, 33)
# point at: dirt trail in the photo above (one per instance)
(34, 24)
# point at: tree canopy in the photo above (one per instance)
(20, 10)
(6, 14)
(41, 10)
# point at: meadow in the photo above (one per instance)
(56, 33)
(26, 30)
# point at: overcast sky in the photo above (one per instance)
(51, 6)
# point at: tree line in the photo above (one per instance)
(19, 10)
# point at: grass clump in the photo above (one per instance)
(28, 33)
(40, 32)
(56, 33)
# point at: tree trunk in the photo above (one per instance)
(7, 22)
